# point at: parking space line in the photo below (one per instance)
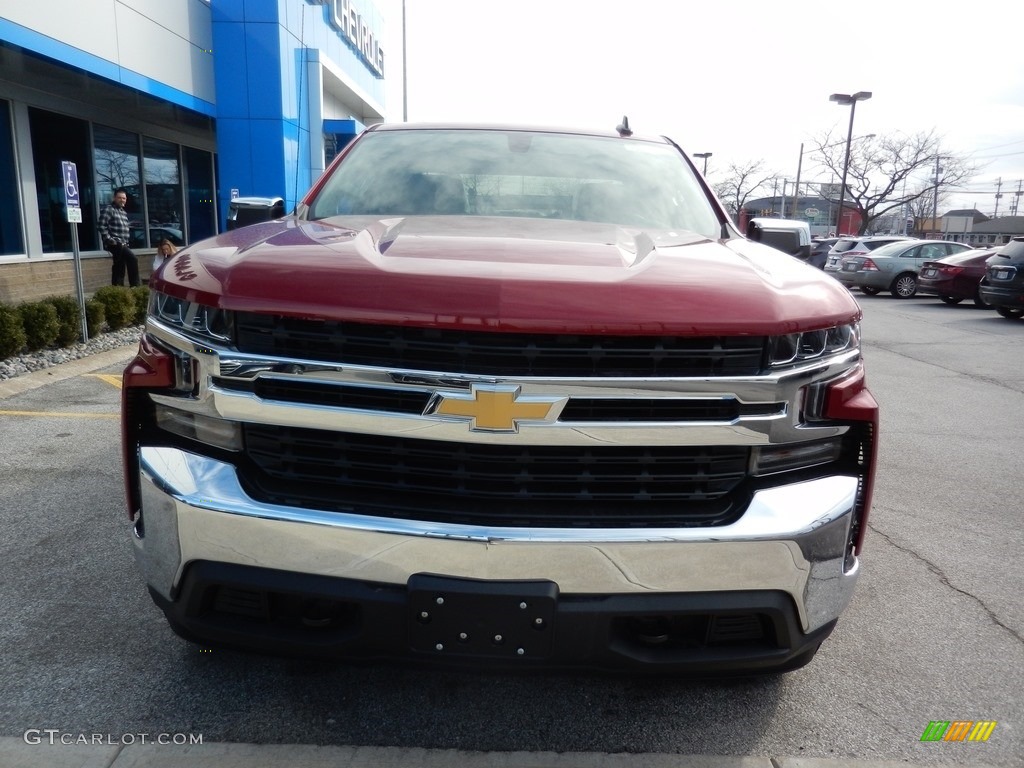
(111, 378)
(59, 414)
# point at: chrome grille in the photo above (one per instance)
(578, 409)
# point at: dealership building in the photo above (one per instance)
(187, 104)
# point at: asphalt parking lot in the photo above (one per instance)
(935, 631)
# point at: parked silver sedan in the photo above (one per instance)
(858, 245)
(893, 267)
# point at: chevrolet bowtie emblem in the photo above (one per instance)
(493, 408)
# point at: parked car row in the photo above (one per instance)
(954, 272)
(892, 267)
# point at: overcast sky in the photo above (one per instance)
(743, 80)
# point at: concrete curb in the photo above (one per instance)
(36, 379)
(16, 753)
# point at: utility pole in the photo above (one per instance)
(935, 199)
(1016, 196)
(831, 184)
(796, 186)
(999, 194)
(905, 209)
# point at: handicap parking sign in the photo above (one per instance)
(72, 198)
(70, 173)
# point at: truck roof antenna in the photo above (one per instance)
(623, 127)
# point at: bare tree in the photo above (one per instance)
(742, 182)
(885, 172)
(116, 169)
(920, 210)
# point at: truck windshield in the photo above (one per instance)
(464, 172)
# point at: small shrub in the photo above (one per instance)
(69, 318)
(12, 332)
(39, 319)
(118, 306)
(95, 316)
(141, 295)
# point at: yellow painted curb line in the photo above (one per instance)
(30, 381)
(113, 379)
(56, 414)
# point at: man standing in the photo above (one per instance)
(115, 234)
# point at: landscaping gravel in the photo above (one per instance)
(47, 358)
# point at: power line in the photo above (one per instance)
(996, 157)
(999, 146)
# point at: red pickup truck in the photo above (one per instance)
(502, 396)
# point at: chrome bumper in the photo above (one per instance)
(791, 539)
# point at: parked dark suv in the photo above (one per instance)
(1003, 284)
(819, 251)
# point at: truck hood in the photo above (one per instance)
(479, 273)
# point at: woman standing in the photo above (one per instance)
(164, 251)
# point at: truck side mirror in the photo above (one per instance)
(243, 211)
(786, 235)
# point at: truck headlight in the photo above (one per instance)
(197, 321)
(796, 348)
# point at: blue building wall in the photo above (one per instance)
(261, 53)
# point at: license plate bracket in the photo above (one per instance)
(482, 618)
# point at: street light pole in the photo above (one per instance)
(935, 198)
(799, 167)
(851, 100)
(704, 155)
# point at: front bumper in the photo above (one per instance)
(612, 595)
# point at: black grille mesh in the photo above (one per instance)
(505, 354)
(498, 485)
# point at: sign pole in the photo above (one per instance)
(79, 287)
(73, 202)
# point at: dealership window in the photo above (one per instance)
(116, 154)
(163, 192)
(56, 138)
(202, 206)
(11, 240)
(171, 188)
